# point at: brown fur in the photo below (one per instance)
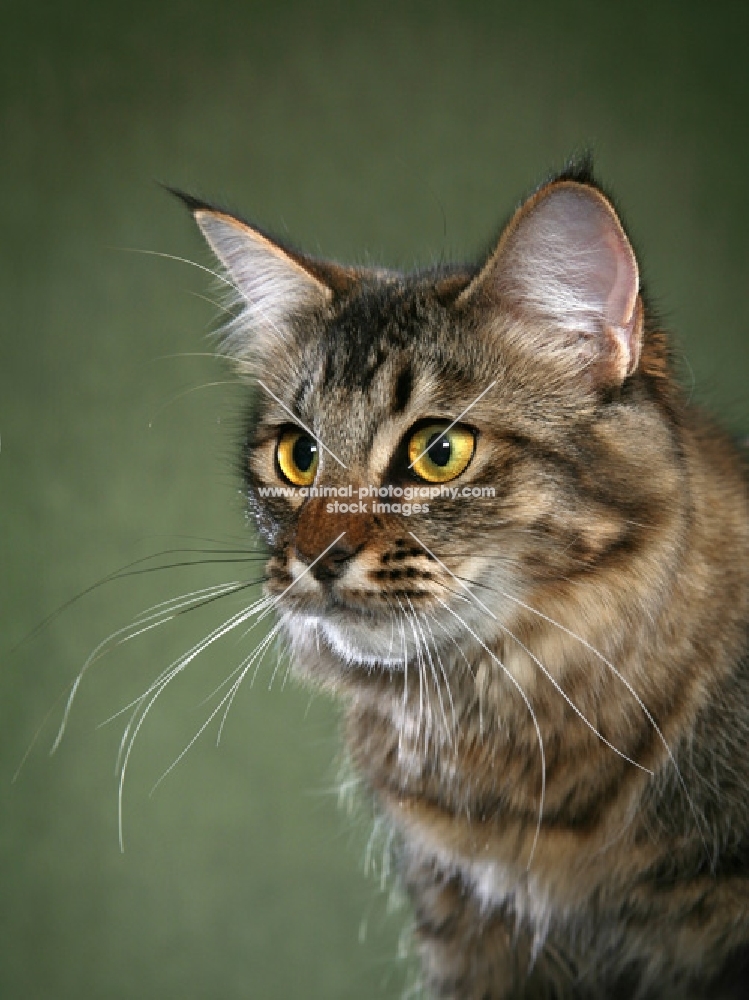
(613, 575)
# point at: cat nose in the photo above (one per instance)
(328, 541)
(333, 563)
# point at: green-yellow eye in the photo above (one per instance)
(437, 456)
(297, 456)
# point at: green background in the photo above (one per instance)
(394, 133)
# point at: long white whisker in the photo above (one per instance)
(392, 631)
(558, 688)
(230, 678)
(420, 717)
(154, 617)
(637, 698)
(528, 705)
(261, 608)
(646, 711)
(184, 260)
(432, 669)
(226, 702)
(187, 598)
(442, 671)
(187, 392)
(285, 651)
(255, 607)
(278, 661)
(404, 700)
(467, 663)
(197, 354)
(185, 658)
(222, 308)
(541, 667)
(572, 705)
(256, 657)
(179, 667)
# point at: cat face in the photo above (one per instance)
(425, 451)
(376, 386)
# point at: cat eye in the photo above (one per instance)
(297, 456)
(439, 456)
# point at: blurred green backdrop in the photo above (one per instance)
(397, 133)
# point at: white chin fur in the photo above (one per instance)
(379, 644)
(353, 644)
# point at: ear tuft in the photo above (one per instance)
(565, 259)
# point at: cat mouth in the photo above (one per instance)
(389, 637)
(359, 644)
(354, 635)
(355, 606)
(390, 627)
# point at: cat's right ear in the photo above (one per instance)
(271, 284)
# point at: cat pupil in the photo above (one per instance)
(439, 452)
(304, 452)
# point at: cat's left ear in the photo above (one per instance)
(273, 285)
(564, 261)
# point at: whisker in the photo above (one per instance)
(442, 671)
(173, 603)
(555, 683)
(613, 669)
(145, 622)
(572, 705)
(227, 680)
(157, 685)
(404, 702)
(285, 652)
(449, 732)
(648, 715)
(277, 666)
(248, 611)
(180, 665)
(185, 260)
(227, 701)
(433, 672)
(186, 392)
(37, 734)
(467, 663)
(636, 697)
(418, 667)
(122, 573)
(392, 630)
(222, 308)
(528, 705)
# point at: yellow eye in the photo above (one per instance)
(297, 457)
(438, 459)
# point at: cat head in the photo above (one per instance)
(415, 435)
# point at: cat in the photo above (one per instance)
(500, 534)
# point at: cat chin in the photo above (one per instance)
(351, 641)
(350, 644)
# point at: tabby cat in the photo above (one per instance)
(520, 557)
